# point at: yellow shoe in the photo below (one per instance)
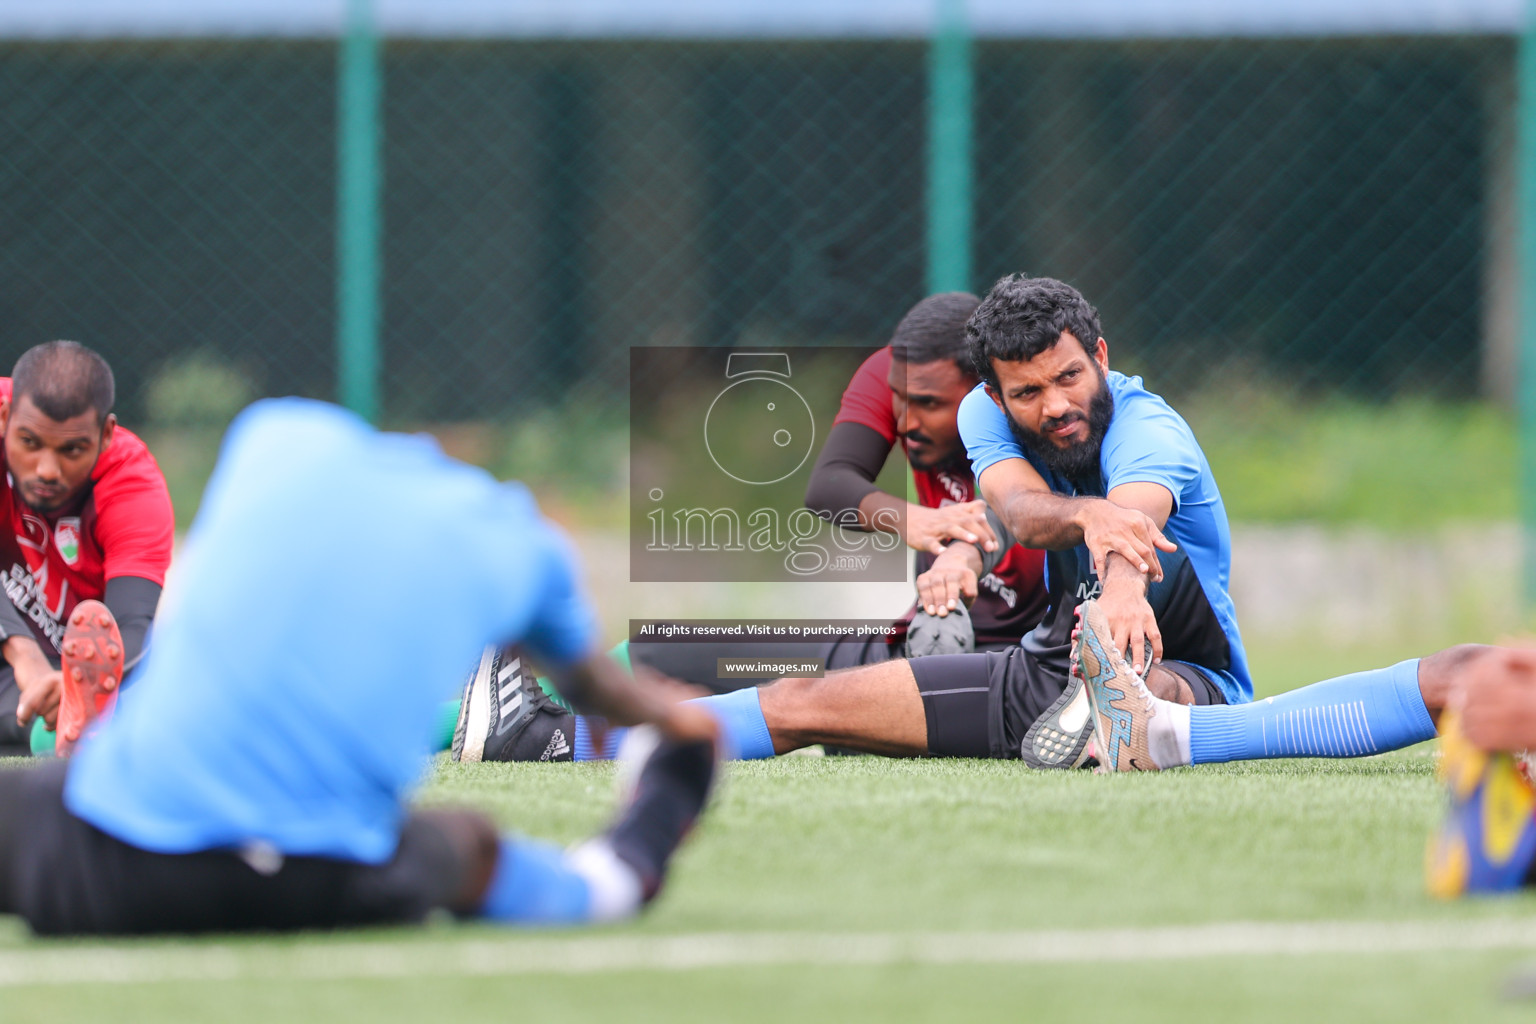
(1488, 839)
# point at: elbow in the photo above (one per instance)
(837, 505)
(819, 496)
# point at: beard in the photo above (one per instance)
(1077, 462)
(46, 506)
(936, 461)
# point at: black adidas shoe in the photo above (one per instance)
(504, 715)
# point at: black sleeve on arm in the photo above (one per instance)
(846, 469)
(132, 600)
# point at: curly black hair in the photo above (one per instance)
(1023, 316)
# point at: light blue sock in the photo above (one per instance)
(586, 748)
(742, 727)
(740, 714)
(1351, 716)
(533, 884)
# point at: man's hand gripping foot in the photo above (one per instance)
(1129, 724)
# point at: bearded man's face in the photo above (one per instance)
(1058, 405)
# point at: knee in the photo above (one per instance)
(476, 849)
(1166, 684)
(483, 844)
(482, 841)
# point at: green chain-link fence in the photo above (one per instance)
(1316, 210)
(1321, 216)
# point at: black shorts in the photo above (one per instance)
(64, 876)
(981, 705)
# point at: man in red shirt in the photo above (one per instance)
(911, 390)
(88, 517)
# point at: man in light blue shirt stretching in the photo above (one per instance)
(256, 774)
(1104, 475)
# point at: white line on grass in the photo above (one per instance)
(548, 954)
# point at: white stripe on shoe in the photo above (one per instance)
(478, 723)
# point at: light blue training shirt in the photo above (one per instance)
(336, 587)
(1147, 442)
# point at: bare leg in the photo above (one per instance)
(875, 709)
(1167, 684)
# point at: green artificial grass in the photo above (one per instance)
(872, 843)
(843, 849)
(1418, 987)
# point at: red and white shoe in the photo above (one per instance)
(93, 667)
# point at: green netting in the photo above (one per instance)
(1325, 216)
(1315, 211)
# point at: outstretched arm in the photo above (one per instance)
(843, 478)
(1042, 519)
(955, 575)
(598, 685)
(1124, 594)
(563, 639)
(132, 601)
(36, 678)
(842, 489)
(953, 578)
